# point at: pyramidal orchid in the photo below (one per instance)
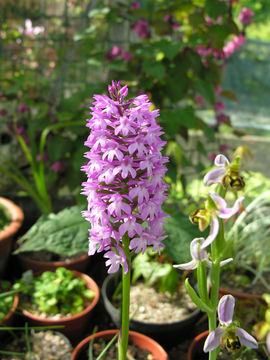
(124, 187)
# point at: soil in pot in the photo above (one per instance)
(161, 316)
(44, 345)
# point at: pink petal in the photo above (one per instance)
(226, 309)
(213, 340)
(246, 339)
(218, 200)
(213, 176)
(268, 342)
(226, 213)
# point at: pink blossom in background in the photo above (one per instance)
(199, 100)
(212, 156)
(114, 52)
(219, 106)
(218, 90)
(135, 5)
(224, 148)
(22, 108)
(222, 118)
(233, 45)
(246, 16)
(141, 27)
(126, 56)
(30, 30)
(169, 19)
(125, 171)
(57, 166)
(3, 112)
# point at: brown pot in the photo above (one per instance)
(7, 235)
(196, 347)
(142, 341)
(74, 325)
(26, 263)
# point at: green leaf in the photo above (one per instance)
(156, 70)
(214, 8)
(170, 48)
(173, 119)
(64, 233)
(206, 89)
(180, 233)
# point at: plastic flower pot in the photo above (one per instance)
(74, 325)
(165, 333)
(142, 341)
(7, 234)
(26, 263)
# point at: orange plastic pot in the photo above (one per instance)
(142, 341)
(74, 325)
(7, 235)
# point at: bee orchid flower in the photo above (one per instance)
(228, 335)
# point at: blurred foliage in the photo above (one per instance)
(56, 54)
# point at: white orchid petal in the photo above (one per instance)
(226, 261)
(213, 340)
(213, 176)
(268, 342)
(218, 200)
(221, 160)
(214, 228)
(226, 309)
(187, 266)
(226, 213)
(197, 253)
(246, 339)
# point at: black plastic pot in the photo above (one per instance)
(166, 334)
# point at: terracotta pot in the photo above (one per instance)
(196, 347)
(7, 235)
(9, 318)
(142, 341)
(74, 325)
(165, 333)
(26, 263)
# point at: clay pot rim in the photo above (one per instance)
(16, 218)
(91, 284)
(111, 333)
(13, 308)
(200, 337)
(83, 257)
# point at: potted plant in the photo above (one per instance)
(11, 218)
(159, 304)
(60, 297)
(55, 240)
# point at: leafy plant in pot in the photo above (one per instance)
(9, 301)
(55, 240)
(159, 304)
(11, 218)
(60, 297)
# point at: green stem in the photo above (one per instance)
(202, 282)
(123, 336)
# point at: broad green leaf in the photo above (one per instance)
(64, 233)
(156, 70)
(206, 89)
